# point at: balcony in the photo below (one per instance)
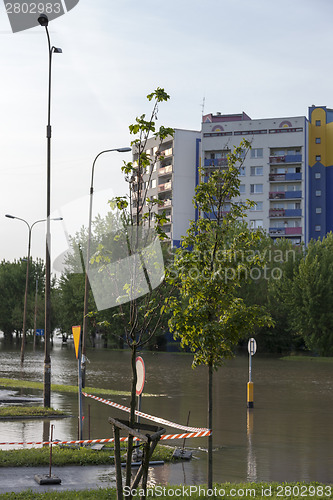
(216, 162)
(282, 212)
(285, 231)
(165, 170)
(293, 194)
(166, 203)
(166, 152)
(285, 177)
(164, 187)
(286, 159)
(282, 195)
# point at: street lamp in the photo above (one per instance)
(26, 277)
(86, 285)
(43, 21)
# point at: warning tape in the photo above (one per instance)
(111, 440)
(148, 417)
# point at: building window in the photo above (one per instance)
(257, 153)
(256, 188)
(317, 228)
(255, 224)
(242, 171)
(153, 183)
(318, 157)
(318, 140)
(318, 210)
(242, 189)
(257, 207)
(318, 192)
(317, 175)
(257, 170)
(318, 123)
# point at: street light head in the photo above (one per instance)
(57, 50)
(10, 216)
(123, 150)
(43, 20)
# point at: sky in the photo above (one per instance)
(267, 58)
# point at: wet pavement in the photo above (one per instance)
(16, 479)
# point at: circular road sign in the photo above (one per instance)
(252, 346)
(141, 373)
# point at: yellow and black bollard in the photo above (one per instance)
(250, 394)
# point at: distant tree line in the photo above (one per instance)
(294, 285)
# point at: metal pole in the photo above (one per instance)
(51, 439)
(80, 391)
(35, 314)
(25, 297)
(250, 367)
(47, 359)
(86, 283)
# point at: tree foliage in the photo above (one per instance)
(311, 299)
(214, 260)
(12, 289)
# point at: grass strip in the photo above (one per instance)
(317, 359)
(29, 384)
(236, 491)
(29, 411)
(61, 456)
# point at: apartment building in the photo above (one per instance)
(173, 180)
(319, 216)
(288, 171)
(273, 174)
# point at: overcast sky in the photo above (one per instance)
(267, 58)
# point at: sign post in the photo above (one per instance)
(76, 330)
(252, 348)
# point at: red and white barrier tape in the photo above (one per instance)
(148, 417)
(111, 440)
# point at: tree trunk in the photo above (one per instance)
(210, 426)
(132, 415)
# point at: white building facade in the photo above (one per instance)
(273, 174)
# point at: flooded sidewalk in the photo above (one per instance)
(75, 477)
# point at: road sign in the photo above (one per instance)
(252, 346)
(141, 373)
(40, 332)
(76, 330)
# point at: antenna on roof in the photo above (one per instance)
(203, 106)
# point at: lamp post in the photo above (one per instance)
(43, 21)
(26, 277)
(86, 284)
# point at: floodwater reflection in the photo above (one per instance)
(286, 437)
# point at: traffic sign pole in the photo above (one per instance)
(252, 348)
(76, 330)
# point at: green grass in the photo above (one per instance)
(317, 359)
(237, 491)
(29, 384)
(62, 456)
(28, 411)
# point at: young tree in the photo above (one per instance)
(137, 280)
(214, 259)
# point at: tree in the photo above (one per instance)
(135, 279)
(214, 259)
(311, 311)
(12, 287)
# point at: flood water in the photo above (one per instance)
(288, 436)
